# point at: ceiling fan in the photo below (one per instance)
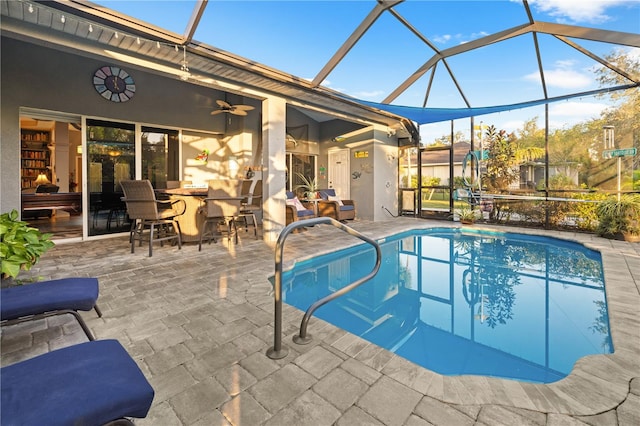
(232, 109)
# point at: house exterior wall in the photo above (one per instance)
(374, 177)
(46, 79)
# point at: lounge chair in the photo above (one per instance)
(296, 210)
(49, 298)
(92, 383)
(332, 206)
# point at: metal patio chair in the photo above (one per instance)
(147, 213)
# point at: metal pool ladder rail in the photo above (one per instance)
(278, 351)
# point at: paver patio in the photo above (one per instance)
(199, 324)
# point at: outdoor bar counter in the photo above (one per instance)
(191, 221)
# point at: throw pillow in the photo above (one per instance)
(296, 203)
(336, 198)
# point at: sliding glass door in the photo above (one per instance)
(110, 159)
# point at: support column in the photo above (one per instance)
(274, 167)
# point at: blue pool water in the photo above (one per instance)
(467, 302)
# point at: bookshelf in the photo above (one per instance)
(35, 156)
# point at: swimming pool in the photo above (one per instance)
(467, 302)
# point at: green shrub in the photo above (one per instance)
(20, 245)
(619, 217)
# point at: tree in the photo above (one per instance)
(624, 117)
(445, 140)
(530, 134)
(504, 158)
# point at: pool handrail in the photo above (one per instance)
(278, 351)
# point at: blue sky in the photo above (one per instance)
(300, 36)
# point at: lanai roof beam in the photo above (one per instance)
(366, 23)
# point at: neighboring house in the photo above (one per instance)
(532, 173)
(435, 163)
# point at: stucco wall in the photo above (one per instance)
(374, 180)
(35, 77)
(46, 79)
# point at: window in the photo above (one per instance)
(299, 164)
(160, 156)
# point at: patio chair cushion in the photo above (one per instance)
(326, 193)
(49, 298)
(336, 199)
(86, 384)
(76, 294)
(295, 203)
(306, 213)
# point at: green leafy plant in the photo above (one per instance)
(20, 245)
(309, 185)
(619, 217)
(466, 214)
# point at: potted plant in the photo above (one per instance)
(619, 219)
(20, 245)
(310, 186)
(466, 214)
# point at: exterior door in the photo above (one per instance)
(338, 173)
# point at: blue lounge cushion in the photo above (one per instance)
(77, 294)
(347, 207)
(86, 384)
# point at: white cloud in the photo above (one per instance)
(633, 53)
(563, 78)
(591, 11)
(442, 39)
(566, 78)
(582, 110)
(512, 125)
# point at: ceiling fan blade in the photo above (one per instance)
(243, 107)
(223, 104)
(237, 112)
(218, 111)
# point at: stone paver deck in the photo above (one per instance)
(199, 324)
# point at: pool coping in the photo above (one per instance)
(596, 384)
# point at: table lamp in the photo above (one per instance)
(42, 179)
